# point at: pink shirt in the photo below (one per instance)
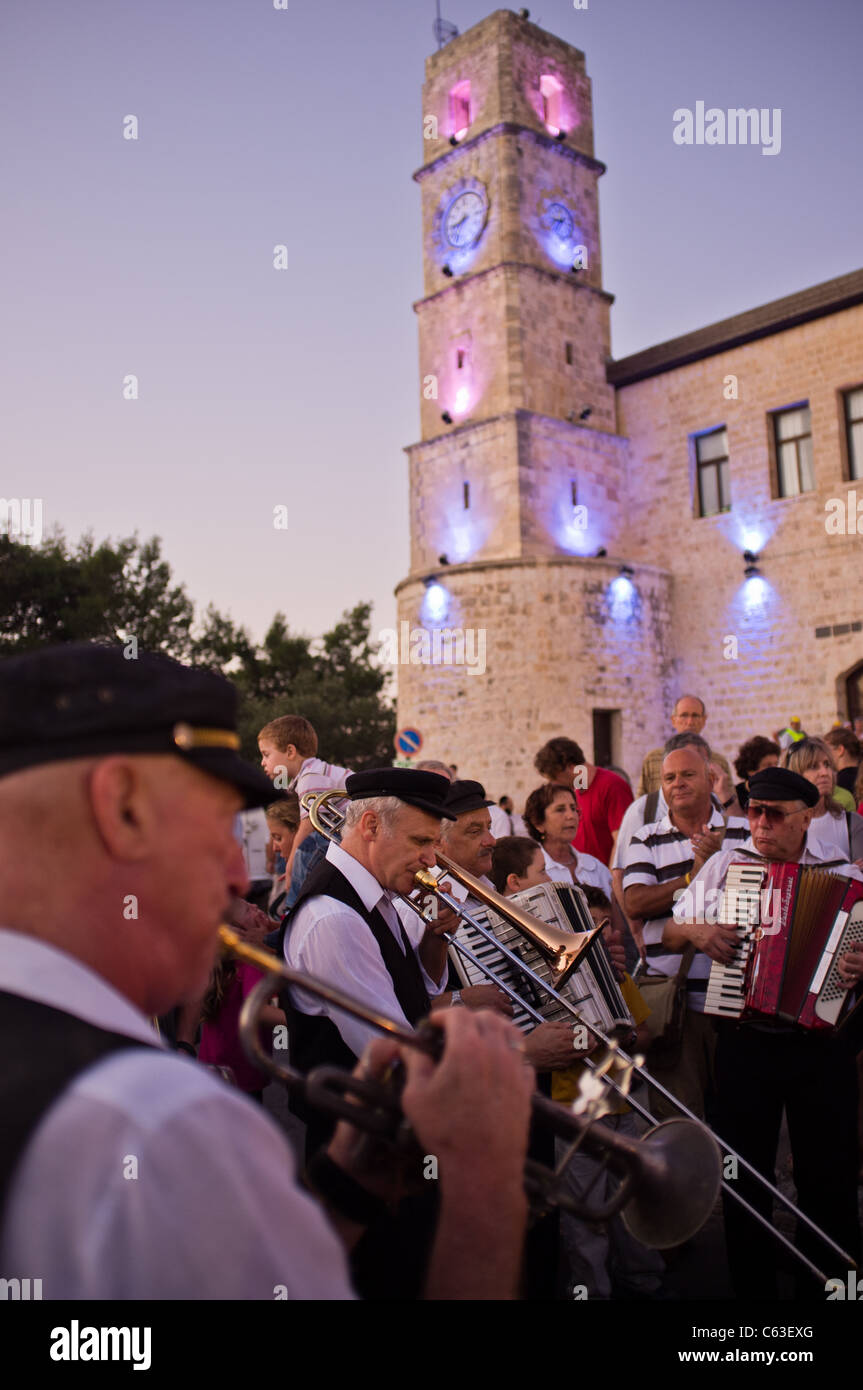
(220, 1039)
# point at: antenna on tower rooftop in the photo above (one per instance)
(442, 29)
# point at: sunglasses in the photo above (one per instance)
(771, 814)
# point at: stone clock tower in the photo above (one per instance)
(520, 618)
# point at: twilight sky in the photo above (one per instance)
(300, 387)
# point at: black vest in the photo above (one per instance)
(43, 1051)
(314, 1039)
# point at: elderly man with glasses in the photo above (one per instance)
(767, 1065)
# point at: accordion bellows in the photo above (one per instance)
(794, 921)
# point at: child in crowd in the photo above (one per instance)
(288, 746)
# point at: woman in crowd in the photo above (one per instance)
(283, 821)
(755, 754)
(838, 832)
(551, 816)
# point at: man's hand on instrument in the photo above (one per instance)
(705, 843)
(551, 1046)
(471, 1109)
(376, 1166)
(486, 997)
(446, 920)
(717, 942)
(850, 967)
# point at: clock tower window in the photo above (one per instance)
(466, 495)
(551, 90)
(459, 109)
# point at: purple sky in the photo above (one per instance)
(257, 127)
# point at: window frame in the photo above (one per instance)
(700, 466)
(776, 442)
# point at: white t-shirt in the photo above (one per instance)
(317, 776)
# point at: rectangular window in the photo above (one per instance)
(792, 436)
(569, 354)
(711, 461)
(551, 90)
(574, 493)
(459, 109)
(854, 431)
(606, 736)
(466, 494)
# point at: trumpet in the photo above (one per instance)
(669, 1177)
(327, 820)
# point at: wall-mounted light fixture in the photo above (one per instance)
(750, 564)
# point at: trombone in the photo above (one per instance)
(557, 949)
(660, 1202)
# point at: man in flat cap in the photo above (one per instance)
(467, 840)
(345, 928)
(767, 1065)
(127, 1171)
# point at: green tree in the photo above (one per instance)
(116, 590)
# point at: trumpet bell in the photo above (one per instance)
(679, 1177)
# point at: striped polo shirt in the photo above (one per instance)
(657, 854)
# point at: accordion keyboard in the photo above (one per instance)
(726, 985)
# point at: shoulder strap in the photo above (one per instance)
(685, 961)
(650, 807)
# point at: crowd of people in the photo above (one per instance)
(139, 1160)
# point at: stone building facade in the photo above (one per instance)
(578, 525)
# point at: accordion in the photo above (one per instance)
(591, 987)
(794, 923)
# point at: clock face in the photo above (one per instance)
(464, 219)
(559, 221)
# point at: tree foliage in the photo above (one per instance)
(116, 590)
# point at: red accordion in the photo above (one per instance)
(795, 922)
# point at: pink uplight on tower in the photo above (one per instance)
(459, 109)
(462, 401)
(551, 91)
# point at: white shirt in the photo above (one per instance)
(253, 833)
(214, 1211)
(588, 870)
(317, 776)
(830, 835)
(330, 940)
(505, 823)
(711, 878)
(657, 853)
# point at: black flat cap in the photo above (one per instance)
(426, 790)
(83, 699)
(781, 784)
(466, 796)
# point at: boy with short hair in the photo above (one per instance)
(288, 746)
